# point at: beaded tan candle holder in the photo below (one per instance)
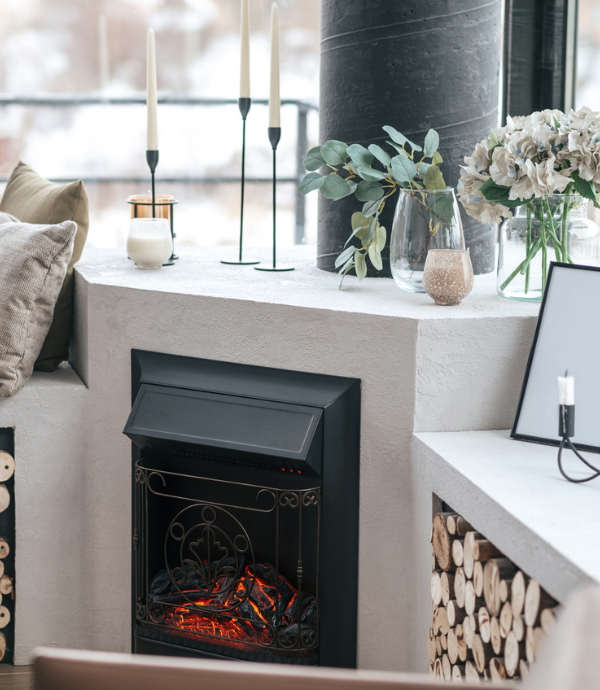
(141, 207)
(448, 276)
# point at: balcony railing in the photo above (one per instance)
(77, 101)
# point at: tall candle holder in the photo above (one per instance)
(152, 159)
(244, 106)
(274, 137)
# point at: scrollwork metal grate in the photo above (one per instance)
(212, 588)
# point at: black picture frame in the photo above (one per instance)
(532, 438)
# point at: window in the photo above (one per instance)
(58, 55)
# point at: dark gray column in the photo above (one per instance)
(412, 64)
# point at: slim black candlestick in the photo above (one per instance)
(244, 106)
(274, 137)
(152, 158)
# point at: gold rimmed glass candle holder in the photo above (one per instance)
(164, 206)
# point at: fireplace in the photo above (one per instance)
(245, 511)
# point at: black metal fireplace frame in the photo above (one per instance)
(336, 402)
(269, 500)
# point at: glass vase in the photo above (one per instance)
(424, 220)
(546, 229)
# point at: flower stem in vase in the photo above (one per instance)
(528, 268)
(565, 256)
(544, 250)
(556, 243)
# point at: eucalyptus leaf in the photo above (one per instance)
(433, 178)
(400, 138)
(344, 256)
(347, 265)
(437, 158)
(375, 256)
(335, 187)
(370, 208)
(423, 168)
(370, 173)
(403, 169)
(360, 264)
(381, 155)
(368, 191)
(334, 152)
(359, 155)
(395, 135)
(432, 141)
(442, 208)
(380, 237)
(360, 221)
(352, 185)
(311, 182)
(314, 160)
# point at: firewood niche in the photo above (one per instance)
(489, 618)
(7, 545)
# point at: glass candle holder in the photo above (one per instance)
(448, 276)
(149, 242)
(141, 205)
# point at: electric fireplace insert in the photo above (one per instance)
(245, 511)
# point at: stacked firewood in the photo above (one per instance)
(7, 468)
(489, 617)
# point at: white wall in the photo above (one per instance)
(50, 425)
(433, 368)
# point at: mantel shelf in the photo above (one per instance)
(513, 493)
(199, 272)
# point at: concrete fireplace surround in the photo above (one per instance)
(423, 368)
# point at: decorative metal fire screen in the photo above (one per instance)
(215, 585)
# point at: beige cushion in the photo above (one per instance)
(33, 199)
(32, 270)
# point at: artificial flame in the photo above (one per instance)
(263, 611)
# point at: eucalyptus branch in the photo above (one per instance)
(372, 186)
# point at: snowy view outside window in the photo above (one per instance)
(56, 48)
(588, 55)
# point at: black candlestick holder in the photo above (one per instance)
(152, 159)
(274, 137)
(244, 106)
(566, 430)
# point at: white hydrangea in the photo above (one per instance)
(532, 157)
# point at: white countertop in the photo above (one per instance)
(199, 272)
(513, 493)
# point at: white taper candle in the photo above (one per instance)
(151, 100)
(566, 390)
(103, 52)
(245, 52)
(274, 97)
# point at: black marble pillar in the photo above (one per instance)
(412, 64)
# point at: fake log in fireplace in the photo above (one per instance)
(245, 511)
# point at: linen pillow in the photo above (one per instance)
(33, 199)
(33, 265)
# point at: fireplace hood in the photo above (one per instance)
(219, 410)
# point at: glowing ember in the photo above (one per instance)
(256, 607)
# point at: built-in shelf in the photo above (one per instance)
(513, 493)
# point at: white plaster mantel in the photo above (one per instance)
(422, 367)
(514, 493)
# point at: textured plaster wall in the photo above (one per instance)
(50, 420)
(421, 366)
